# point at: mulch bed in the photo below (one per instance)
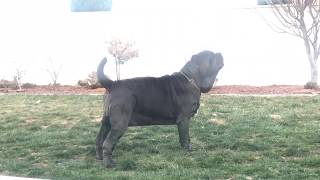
(43, 89)
(274, 89)
(230, 89)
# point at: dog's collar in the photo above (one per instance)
(190, 80)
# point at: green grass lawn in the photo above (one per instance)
(233, 138)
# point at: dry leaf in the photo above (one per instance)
(217, 122)
(275, 116)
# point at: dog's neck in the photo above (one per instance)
(191, 80)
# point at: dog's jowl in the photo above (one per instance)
(168, 100)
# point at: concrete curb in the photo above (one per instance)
(16, 178)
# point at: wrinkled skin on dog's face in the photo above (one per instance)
(203, 68)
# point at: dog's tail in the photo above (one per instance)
(102, 79)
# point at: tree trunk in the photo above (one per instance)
(314, 73)
(19, 85)
(313, 83)
(117, 69)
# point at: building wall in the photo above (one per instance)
(167, 33)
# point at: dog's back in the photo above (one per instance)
(151, 96)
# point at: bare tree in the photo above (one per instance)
(301, 18)
(17, 77)
(93, 80)
(122, 52)
(53, 72)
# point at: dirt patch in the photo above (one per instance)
(219, 122)
(59, 90)
(273, 89)
(231, 89)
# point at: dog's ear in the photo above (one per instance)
(194, 57)
(219, 56)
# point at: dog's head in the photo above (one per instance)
(203, 68)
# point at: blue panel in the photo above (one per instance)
(270, 2)
(90, 5)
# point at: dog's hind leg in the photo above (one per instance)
(109, 145)
(102, 135)
(119, 119)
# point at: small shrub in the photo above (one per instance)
(29, 85)
(83, 83)
(311, 85)
(8, 84)
(93, 80)
(95, 86)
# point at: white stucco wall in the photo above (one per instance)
(166, 32)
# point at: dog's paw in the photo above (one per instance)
(187, 147)
(99, 158)
(99, 155)
(108, 163)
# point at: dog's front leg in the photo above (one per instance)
(183, 128)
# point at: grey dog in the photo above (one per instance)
(168, 100)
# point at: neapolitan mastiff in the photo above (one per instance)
(167, 100)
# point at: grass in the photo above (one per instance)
(233, 138)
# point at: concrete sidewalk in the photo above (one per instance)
(16, 178)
